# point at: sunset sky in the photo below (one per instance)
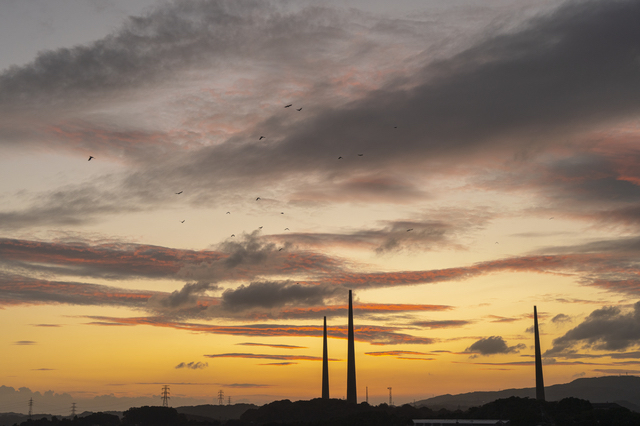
(454, 163)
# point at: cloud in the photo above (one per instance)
(24, 342)
(274, 357)
(187, 295)
(441, 324)
(193, 365)
(280, 363)
(16, 290)
(493, 345)
(607, 328)
(410, 355)
(375, 335)
(272, 345)
(513, 93)
(560, 319)
(275, 294)
(394, 236)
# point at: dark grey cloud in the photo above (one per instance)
(24, 342)
(560, 319)
(193, 365)
(609, 328)
(493, 345)
(562, 73)
(268, 294)
(187, 294)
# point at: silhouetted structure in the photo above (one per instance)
(352, 396)
(165, 396)
(325, 363)
(539, 379)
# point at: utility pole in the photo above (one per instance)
(30, 407)
(165, 396)
(229, 401)
(390, 399)
(367, 394)
(73, 410)
(220, 397)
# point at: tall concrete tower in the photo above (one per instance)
(539, 380)
(352, 395)
(325, 364)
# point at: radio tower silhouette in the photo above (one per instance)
(352, 395)
(538, 357)
(220, 397)
(165, 396)
(73, 410)
(30, 407)
(325, 363)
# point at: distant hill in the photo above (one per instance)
(217, 412)
(623, 390)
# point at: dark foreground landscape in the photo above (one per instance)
(319, 412)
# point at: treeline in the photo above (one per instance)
(335, 412)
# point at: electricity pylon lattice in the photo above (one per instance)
(165, 396)
(73, 410)
(220, 397)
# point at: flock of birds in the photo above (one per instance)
(91, 157)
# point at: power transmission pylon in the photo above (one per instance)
(367, 395)
(73, 410)
(165, 396)
(390, 399)
(30, 407)
(220, 397)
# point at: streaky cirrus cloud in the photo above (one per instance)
(272, 345)
(274, 357)
(375, 335)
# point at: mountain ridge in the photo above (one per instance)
(623, 390)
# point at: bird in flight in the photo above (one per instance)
(299, 109)
(286, 229)
(280, 249)
(281, 212)
(178, 193)
(90, 157)
(360, 155)
(182, 221)
(551, 217)
(260, 227)
(228, 212)
(257, 198)
(339, 158)
(410, 229)
(233, 235)
(261, 137)
(287, 106)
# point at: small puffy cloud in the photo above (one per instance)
(193, 365)
(560, 319)
(493, 345)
